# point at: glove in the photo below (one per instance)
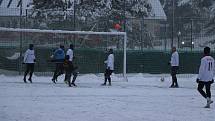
(34, 60)
(197, 80)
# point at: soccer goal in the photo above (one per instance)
(90, 48)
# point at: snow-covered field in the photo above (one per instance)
(143, 98)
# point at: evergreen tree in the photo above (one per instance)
(98, 8)
(48, 4)
(185, 10)
(91, 10)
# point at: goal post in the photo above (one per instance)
(121, 34)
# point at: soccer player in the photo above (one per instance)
(29, 60)
(174, 67)
(109, 67)
(58, 58)
(68, 67)
(205, 77)
(74, 72)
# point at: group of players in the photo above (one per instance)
(205, 76)
(64, 63)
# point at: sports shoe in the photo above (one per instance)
(30, 80)
(176, 86)
(74, 84)
(209, 101)
(172, 86)
(53, 80)
(24, 80)
(207, 106)
(69, 84)
(103, 84)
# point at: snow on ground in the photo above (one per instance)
(143, 98)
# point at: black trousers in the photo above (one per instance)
(29, 69)
(107, 74)
(174, 71)
(69, 74)
(71, 70)
(58, 70)
(207, 87)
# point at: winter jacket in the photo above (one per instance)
(59, 55)
(70, 53)
(174, 59)
(110, 62)
(29, 56)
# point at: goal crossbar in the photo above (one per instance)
(59, 31)
(124, 34)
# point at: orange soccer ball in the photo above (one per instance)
(117, 27)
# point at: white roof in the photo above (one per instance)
(157, 10)
(12, 7)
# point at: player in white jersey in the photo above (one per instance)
(205, 77)
(174, 62)
(73, 70)
(109, 67)
(70, 52)
(29, 60)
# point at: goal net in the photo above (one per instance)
(90, 49)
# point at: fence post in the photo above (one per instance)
(165, 36)
(191, 35)
(141, 29)
(20, 46)
(74, 21)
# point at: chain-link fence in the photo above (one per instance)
(148, 45)
(189, 34)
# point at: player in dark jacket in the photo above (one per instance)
(58, 58)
